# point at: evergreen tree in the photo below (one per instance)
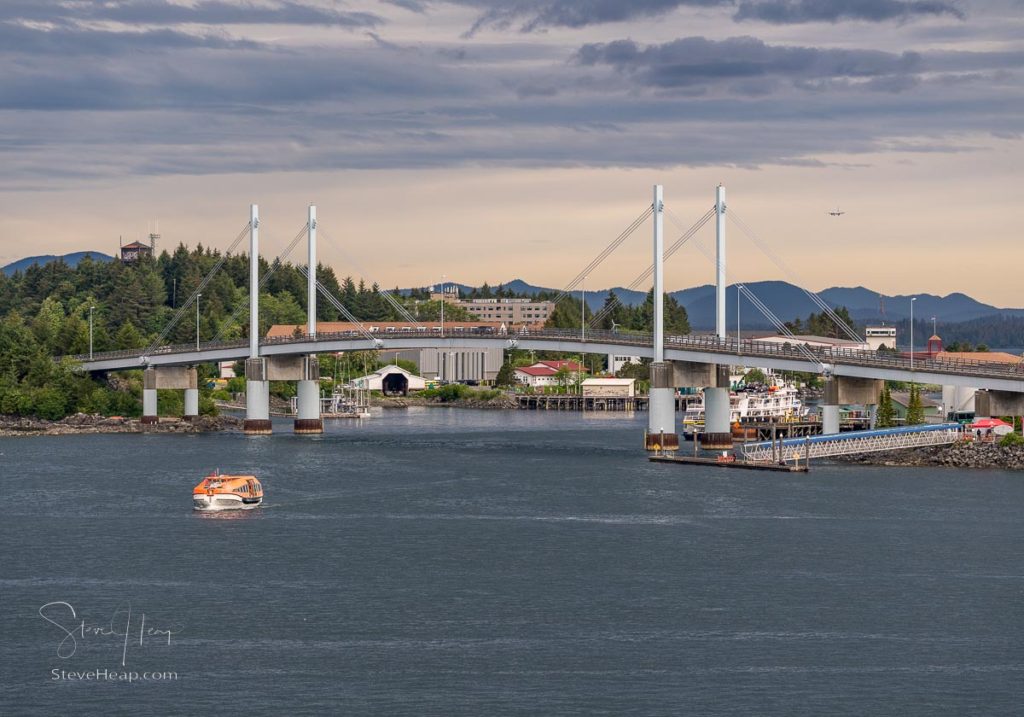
(506, 375)
(885, 416)
(915, 408)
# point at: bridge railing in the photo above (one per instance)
(730, 347)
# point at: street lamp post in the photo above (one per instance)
(737, 316)
(583, 311)
(442, 305)
(91, 309)
(198, 297)
(912, 300)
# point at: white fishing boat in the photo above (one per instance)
(775, 402)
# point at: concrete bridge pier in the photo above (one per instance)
(257, 398)
(169, 378)
(717, 415)
(661, 409)
(714, 379)
(191, 394)
(993, 404)
(149, 397)
(844, 391)
(308, 419)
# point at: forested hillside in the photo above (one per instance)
(44, 313)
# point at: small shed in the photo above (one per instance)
(609, 387)
(391, 381)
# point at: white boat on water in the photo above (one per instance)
(752, 404)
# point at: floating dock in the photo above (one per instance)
(742, 464)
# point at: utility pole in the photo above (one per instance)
(912, 300)
(583, 311)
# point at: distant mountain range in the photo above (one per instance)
(69, 259)
(789, 302)
(784, 299)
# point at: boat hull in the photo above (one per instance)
(215, 503)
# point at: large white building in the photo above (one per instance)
(821, 342)
(510, 311)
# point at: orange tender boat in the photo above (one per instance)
(226, 492)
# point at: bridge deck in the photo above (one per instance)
(706, 349)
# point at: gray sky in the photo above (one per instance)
(488, 139)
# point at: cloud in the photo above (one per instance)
(70, 40)
(800, 11)
(694, 61)
(83, 98)
(532, 15)
(204, 12)
(540, 14)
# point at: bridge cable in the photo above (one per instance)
(779, 325)
(821, 303)
(676, 245)
(385, 294)
(604, 254)
(325, 292)
(274, 266)
(198, 290)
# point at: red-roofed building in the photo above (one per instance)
(549, 373)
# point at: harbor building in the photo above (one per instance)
(880, 336)
(608, 387)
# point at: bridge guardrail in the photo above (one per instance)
(730, 347)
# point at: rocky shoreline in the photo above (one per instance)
(82, 423)
(958, 455)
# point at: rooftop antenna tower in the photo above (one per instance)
(154, 236)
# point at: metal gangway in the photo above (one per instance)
(851, 442)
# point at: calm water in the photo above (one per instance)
(445, 562)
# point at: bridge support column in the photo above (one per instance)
(661, 410)
(993, 404)
(717, 426)
(717, 414)
(149, 401)
(257, 398)
(830, 407)
(308, 418)
(846, 391)
(661, 405)
(192, 395)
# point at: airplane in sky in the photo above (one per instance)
(835, 213)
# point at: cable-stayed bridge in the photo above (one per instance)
(852, 376)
